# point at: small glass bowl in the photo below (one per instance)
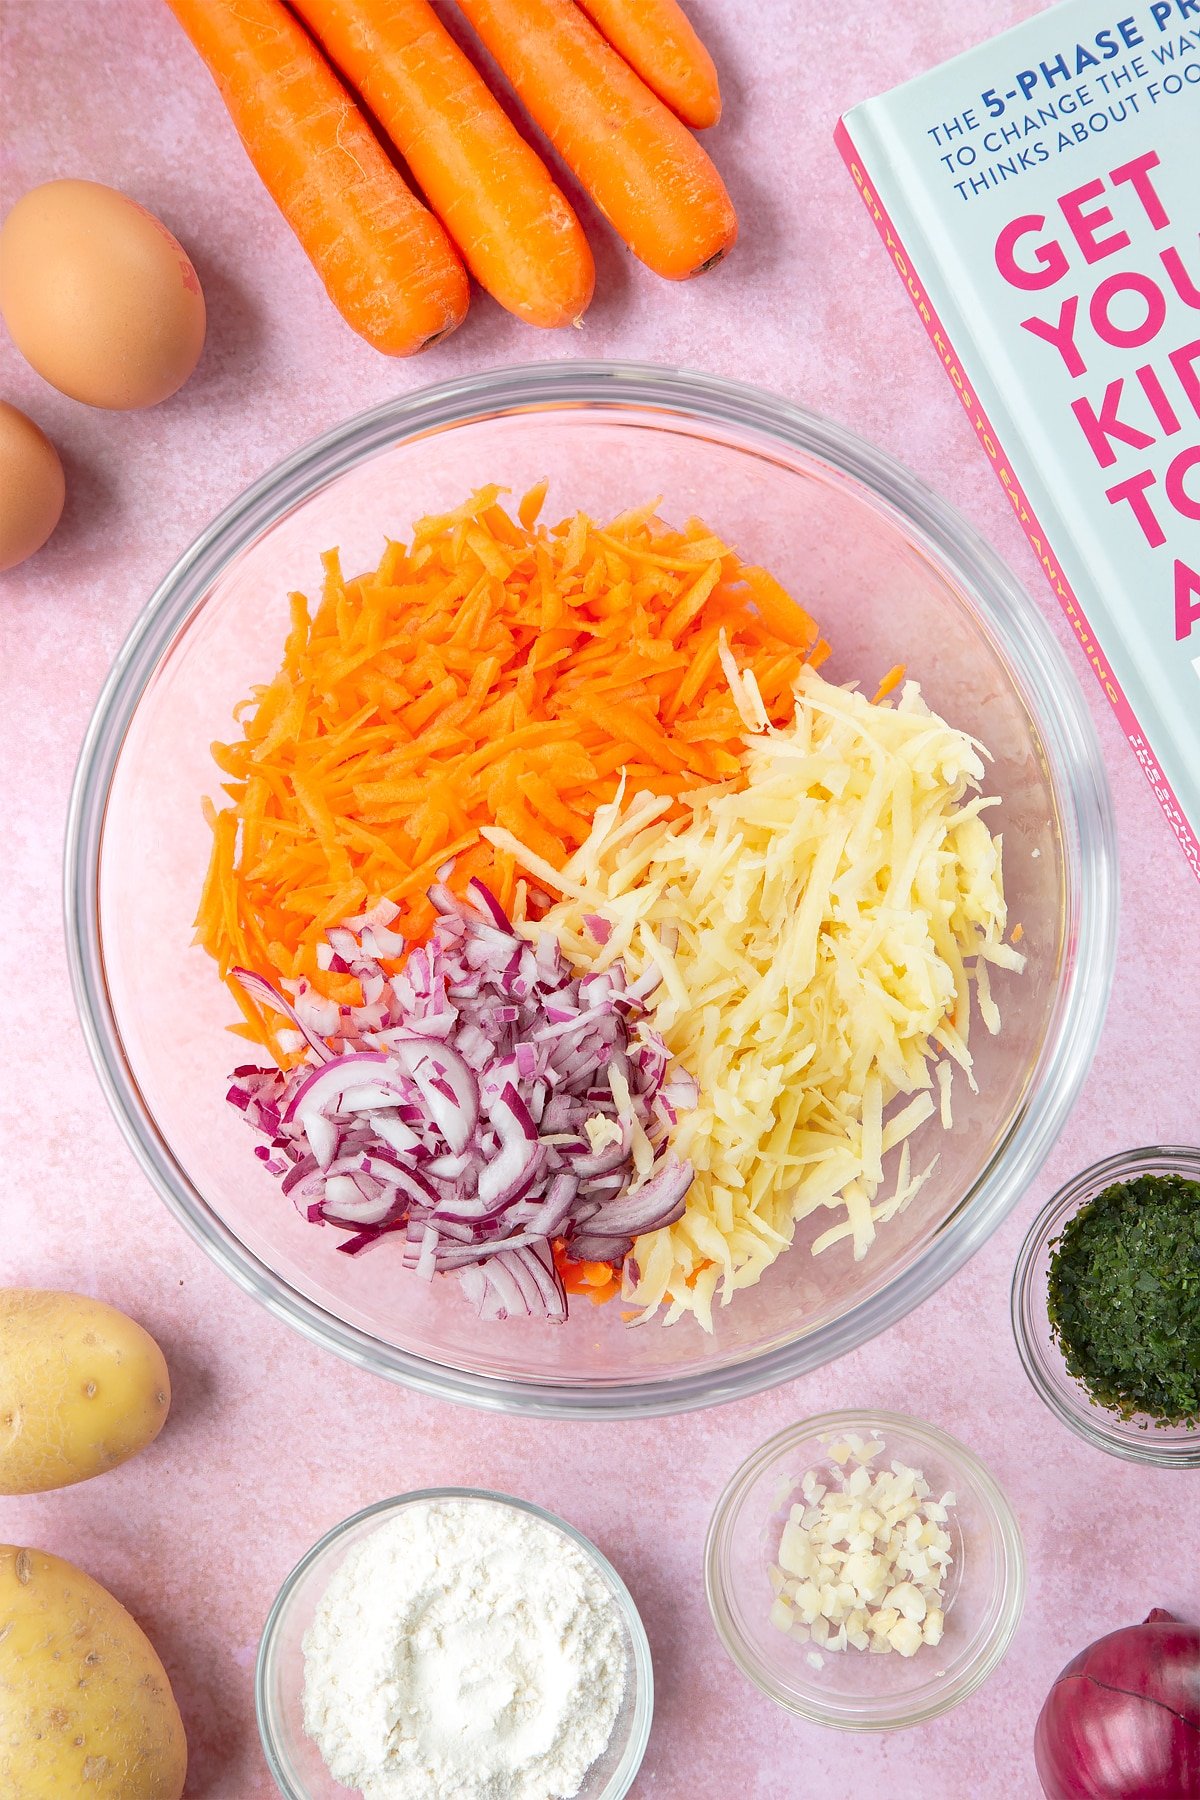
(293, 1758)
(854, 1690)
(1139, 1439)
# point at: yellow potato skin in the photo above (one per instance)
(86, 1710)
(82, 1388)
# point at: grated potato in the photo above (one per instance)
(819, 928)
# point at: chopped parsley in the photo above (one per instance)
(1124, 1298)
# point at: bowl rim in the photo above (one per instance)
(1038, 667)
(641, 1661)
(1066, 1397)
(892, 1714)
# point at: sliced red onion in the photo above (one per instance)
(348, 1207)
(452, 1106)
(321, 1089)
(655, 1202)
(395, 1133)
(315, 1012)
(388, 943)
(344, 944)
(273, 1001)
(550, 1218)
(540, 1265)
(362, 1240)
(504, 1175)
(450, 1167)
(323, 1136)
(299, 1172)
(486, 901)
(474, 1284)
(603, 1162)
(426, 1263)
(590, 1246)
(447, 1085)
(681, 1091)
(373, 988)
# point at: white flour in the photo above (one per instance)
(464, 1651)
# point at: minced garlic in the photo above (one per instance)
(863, 1557)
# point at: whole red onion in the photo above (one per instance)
(1122, 1721)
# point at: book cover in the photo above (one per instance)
(1040, 199)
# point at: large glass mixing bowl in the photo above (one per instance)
(893, 574)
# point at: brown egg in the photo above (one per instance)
(98, 295)
(31, 487)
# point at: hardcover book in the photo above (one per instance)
(1040, 199)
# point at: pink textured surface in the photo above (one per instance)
(271, 1441)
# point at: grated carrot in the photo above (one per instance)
(491, 671)
(599, 1281)
(890, 682)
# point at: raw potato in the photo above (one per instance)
(86, 1710)
(82, 1388)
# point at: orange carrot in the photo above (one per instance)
(386, 263)
(890, 682)
(599, 1281)
(492, 671)
(491, 190)
(645, 171)
(659, 42)
(777, 608)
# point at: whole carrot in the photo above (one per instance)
(658, 41)
(386, 263)
(491, 190)
(645, 171)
